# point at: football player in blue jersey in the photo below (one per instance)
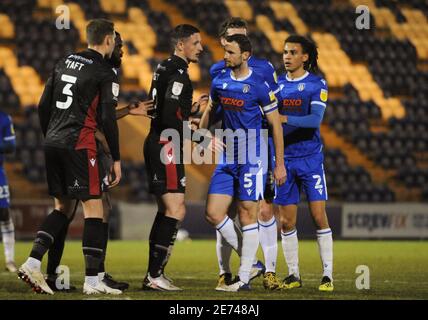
(268, 228)
(7, 145)
(240, 93)
(303, 99)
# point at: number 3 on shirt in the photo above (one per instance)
(70, 80)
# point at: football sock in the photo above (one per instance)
(224, 251)
(50, 229)
(56, 250)
(325, 245)
(228, 232)
(268, 234)
(92, 249)
(290, 246)
(8, 236)
(161, 241)
(250, 244)
(104, 247)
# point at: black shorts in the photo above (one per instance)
(75, 174)
(168, 177)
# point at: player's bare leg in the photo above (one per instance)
(325, 243)
(290, 245)
(216, 214)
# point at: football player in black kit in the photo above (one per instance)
(56, 250)
(79, 98)
(172, 92)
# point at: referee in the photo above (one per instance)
(172, 92)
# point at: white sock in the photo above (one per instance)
(228, 232)
(224, 251)
(33, 263)
(290, 246)
(250, 244)
(101, 276)
(8, 235)
(325, 245)
(268, 233)
(92, 280)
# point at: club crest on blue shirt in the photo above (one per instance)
(301, 87)
(246, 88)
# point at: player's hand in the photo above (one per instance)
(115, 174)
(201, 103)
(283, 118)
(141, 108)
(280, 174)
(194, 123)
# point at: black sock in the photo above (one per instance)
(171, 246)
(92, 245)
(154, 230)
(161, 242)
(47, 233)
(105, 241)
(155, 226)
(56, 250)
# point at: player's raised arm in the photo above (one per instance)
(210, 111)
(108, 102)
(140, 108)
(207, 116)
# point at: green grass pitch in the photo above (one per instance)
(398, 270)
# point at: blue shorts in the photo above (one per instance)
(245, 182)
(305, 174)
(4, 191)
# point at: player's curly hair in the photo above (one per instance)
(308, 47)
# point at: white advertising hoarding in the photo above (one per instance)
(395, 220)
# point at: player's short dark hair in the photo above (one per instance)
(243, 42)
(182, 31)
(118, 39)
(308, 47)
(234, 22)
(97, 30)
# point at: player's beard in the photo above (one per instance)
(234, 67)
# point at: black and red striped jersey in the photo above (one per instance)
(172, 92)
(80, 96)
